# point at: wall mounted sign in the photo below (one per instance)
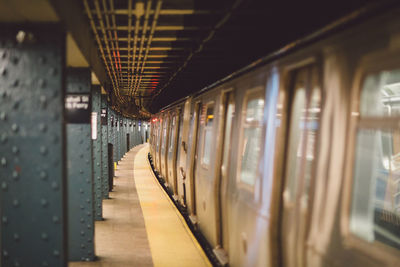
(94, 125)
(103, 115)
(77, 108)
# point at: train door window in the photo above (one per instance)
(253, 109)
(375, 207)
(207, 119)
(171, 135)
(164, 134)
(158, 135)
(304, 119)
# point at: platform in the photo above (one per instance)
(141, 225)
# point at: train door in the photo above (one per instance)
(222, 180)
(303, 123)
(171, 167)
(183, 149)
(164, 148)
(193, 160)
(175, 154)
(160, 127)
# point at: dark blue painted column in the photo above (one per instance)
(105, 125)
(97, 153)
(124, 136)
(118, 138)
(80, 171)
(134, 132)
(32, 173)
(112, 135)
(131, 133)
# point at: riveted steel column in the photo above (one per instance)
(105, 124)
(115, 134)
(111, 129)
(121, 130)
(80, 175)
(97, 163)
(111, 132)
(124, 137)
(117, 138)
(32, 173)
(130, 134)
(134, 131)
(111, 135)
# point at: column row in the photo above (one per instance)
(59, 143)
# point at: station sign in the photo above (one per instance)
(103, 116)
(77, 108)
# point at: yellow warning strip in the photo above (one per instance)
(170, 239)
(183, 221)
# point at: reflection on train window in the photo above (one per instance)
(209, 118)
(381, 94)
(252, 134)
(375, 208)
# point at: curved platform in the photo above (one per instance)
(142, 227)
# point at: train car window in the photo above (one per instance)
(251, 138)
(208, 121)
(375, 207)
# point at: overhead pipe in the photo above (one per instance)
(100, 19)
(129, 33)
(155, 19)
(113, 43)
(143, 37)
(153, 27)
(114, 26)
(139, 13)
(98, 41)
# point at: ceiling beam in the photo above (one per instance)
(166, 12)
(157, 28)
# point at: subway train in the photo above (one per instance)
(293, 160)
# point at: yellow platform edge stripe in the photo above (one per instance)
(183, 221)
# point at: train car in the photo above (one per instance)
(293, 161)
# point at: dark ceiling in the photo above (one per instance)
(157, 51)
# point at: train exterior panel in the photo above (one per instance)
(293, 162)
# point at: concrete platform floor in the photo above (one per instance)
(142, 227)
